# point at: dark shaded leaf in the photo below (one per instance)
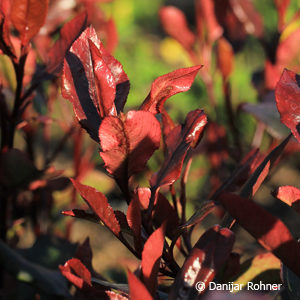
(16, 169)
(127, 143)
(68, 34)
(151, 256)
(178, 142)
(81, 214)
(168, 85)
(99, 204)
(268, 114)
(76, 272)
(47, 281)
(206, 258)
(261, 172)
(134, 220)
(28, 16)
(287, 95)
(174, 24)
(291, 282)
(137, 289)
(269, 231)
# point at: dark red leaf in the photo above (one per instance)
(127, 143)
(99, 204)
(164, 212)
(207, 23)
(68, 34)
(289, 195)
(269, 231)
(174, 23)
(151, 256)
(178, 142)
(207, 256)
(76, 272)
(261, 172)
(137, 289)
(134, 220)
(28, 16)
(168, 85)
(225, 57)
(167, 123)
(287, 95)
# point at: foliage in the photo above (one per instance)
(145, 152)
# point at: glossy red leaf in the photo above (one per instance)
(68, 34)
(137, 289)
(168, 85)
(128, 142)
(207, 23)
(28, 16)
(134, 220)
(225, 57)
(80, 82)
(207, 257)
(287, 95)
(269, 231)
(174, 23)
(76, 272)
(178, 142)
(151, 256)
(289, 195)
(99, 204)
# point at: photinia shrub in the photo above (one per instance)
(176, 259)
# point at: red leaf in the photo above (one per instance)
(178, 142)
(207, 256)
(269, 231)
(93, 80)
(6, 45)
(281, 6)
(287, 95)
(111, 36)
(168, 85)
(81, 214)
(127, 143)
(151, 256)
(28, 16)
(174, 23)
(134, 220)
(82, 274)
(225, 57)
(68, 34)
(165, 212)
(143, 195)
(289, 195)
(206, 20)
(137, 289)
(106, 91)
(99, 204)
